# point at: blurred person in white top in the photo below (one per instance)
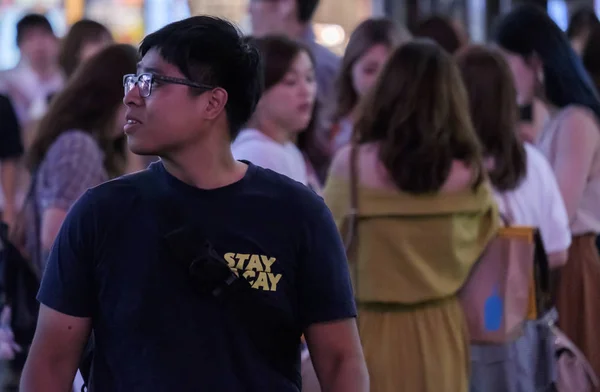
(527, 194)
(84, 39)
(38, 74)
(284, 110)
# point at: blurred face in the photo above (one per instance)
(270, 16)
(367, 68)
(170, 117)
(524, 75)
(39, 47)
(90, 48)
(290, 103)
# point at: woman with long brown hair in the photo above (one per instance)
(80, 141)
(528, 195)
(419, 180)
(368, 49)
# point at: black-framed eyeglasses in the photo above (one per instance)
(145, 81)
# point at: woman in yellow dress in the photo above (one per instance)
(425, 213)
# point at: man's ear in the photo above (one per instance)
(217, 100)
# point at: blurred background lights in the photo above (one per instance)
(330, 35)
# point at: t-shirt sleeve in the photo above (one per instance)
(11, 144)
(74, 164)
(325, 289)
(67, 284)
(554, 227)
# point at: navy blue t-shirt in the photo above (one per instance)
(153, 331)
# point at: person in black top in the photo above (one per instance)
(11, 149)
(200, 273)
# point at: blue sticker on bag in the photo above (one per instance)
(493, 311)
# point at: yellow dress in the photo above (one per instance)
(412, 255)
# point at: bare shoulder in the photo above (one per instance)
(340, 165)
(461, 177)
(579, 121)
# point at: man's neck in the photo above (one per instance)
(205, 166)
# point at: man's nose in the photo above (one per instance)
(133, 97)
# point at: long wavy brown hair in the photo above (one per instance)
(368, 34)
(494, 112)
(418, 113)
(89, 102)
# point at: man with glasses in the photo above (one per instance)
(201, 272)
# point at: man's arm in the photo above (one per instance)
(337, 356)
(55, 352)
(327, 307)
(67, 302)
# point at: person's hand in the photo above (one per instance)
(8, 347)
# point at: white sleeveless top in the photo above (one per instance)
(587, 216)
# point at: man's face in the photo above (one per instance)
(39, 46)
(170, 118)
(271, 16)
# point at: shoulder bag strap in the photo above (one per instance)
(352, 217)
(351, 239)
(508, 218)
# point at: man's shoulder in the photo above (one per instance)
(118, 194)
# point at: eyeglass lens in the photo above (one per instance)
(143, 81)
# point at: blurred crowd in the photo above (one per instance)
(421, 144)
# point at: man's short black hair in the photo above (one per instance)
(306, 9)
(212, 51)
(32, 21)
